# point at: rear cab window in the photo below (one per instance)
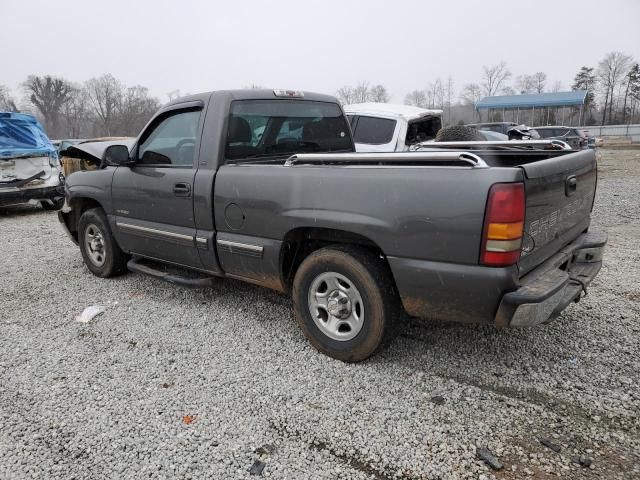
(272, 128)
(374, 130)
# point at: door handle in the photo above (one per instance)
(571, 185)
(182, 189)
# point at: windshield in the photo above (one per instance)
(260, 128)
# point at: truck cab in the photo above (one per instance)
(387, 127)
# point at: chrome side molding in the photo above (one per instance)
(390, 158)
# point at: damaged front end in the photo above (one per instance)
(87, 155)
(84, 156)
(29, 168)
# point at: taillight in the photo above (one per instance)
(503, 225)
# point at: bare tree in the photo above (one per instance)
(48, 94)
(361, 92)
(558, 86)
(435, 94)
(379, 94)
(448, 99)
(525, 84)
(611, 72)
(7, 102)
(135, 110)
(507, 90)
(494, 78)
(76, 114)
(471, 93)
(345, 95)
(534, 83)
(539, 81)
(417, 98)
(105, 96)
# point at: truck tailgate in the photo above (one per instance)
(559, 197)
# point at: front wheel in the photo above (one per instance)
(345, 302)
(100, 252)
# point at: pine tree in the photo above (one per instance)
(585, 79)
(633, 85)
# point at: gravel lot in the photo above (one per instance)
(177, 383)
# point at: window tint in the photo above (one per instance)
(261, 128)
(172, 141)
(545, 132)
(374, 131)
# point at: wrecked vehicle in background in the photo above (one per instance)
(385, 127)
(510, 129)
(61, 145)
(30, 171)
(87, 154)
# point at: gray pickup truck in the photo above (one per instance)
(265, 187)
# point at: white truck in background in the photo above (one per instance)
(388, 127)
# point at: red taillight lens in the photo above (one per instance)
(503, 225)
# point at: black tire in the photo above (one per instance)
(93, 223)
(380, 302)
(56, 205)
(459, 133)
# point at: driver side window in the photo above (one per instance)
(172, 141)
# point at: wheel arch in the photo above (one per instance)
(300, 242)
(79, 205)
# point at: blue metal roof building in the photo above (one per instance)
(555, 99)
(533, 101)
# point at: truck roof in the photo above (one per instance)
(253, 94)
(392, 110)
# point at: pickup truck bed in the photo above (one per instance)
(475, 232)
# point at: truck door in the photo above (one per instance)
(153, 200)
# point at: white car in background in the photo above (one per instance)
(388, 127)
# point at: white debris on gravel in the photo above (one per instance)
(90, 313)
(178, 383)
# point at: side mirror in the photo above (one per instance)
(117, 155)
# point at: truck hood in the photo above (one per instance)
(93, 151)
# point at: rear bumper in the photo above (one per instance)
(550, 288)
(479, 294)
(14, 196)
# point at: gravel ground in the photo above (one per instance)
(177, 383)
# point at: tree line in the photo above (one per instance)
(101, 106)
(104, 106)
(613, 92)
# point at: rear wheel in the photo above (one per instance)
(100, 252)
(345, 302)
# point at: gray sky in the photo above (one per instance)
(197, 46)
